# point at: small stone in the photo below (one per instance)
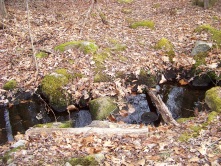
(67, 164)
(19, 143)
(201, 47)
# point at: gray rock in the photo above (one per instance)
(201, 47)
(175, 100)
(99, 157)
(83, 118)
(19, 143)
(67, 164)
(149, 117)
(201, 81)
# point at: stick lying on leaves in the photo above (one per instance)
(162, 108)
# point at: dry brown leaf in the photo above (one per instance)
(183, 82)
(123, 113)
(111, 118)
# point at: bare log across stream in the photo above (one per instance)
(162, 108)
(34, 132)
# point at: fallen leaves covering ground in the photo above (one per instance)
(56, 22)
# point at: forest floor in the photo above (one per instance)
(108, 25)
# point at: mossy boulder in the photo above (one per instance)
(52, 89)
(101, 107)
(85, 46)
(147, 79)
(213, 98)
(145, 23)
(84, 161)
(10, 85)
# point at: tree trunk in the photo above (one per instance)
(206, 4)
(3, 12)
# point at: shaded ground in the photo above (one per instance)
(56, 22)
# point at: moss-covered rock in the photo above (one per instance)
(102, 107)
(146, 23)
(51, 88)
(147, 79)
(213, 98)
(84, 161)
(86, 46)
(215, 34)
(10, 85)
(41, 54)
(167, 46)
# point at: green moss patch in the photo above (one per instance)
(167, 46)
(156, 5)
(195, 129)
(126, 11)
(215, 34)
(147, 79)
(10, 85)
(200, 59)
(212, 115)
(84, 161)
(149, 24)
(86, 46)
(183, 120)
(125, 1)
(101, 77)
(201, 2)
(65, 124)
(41, 54)
(8, 156)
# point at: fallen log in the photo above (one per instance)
(162, 108)
(34, 132)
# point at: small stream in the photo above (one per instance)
(29, 110)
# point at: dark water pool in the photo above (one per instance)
(29, 110)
